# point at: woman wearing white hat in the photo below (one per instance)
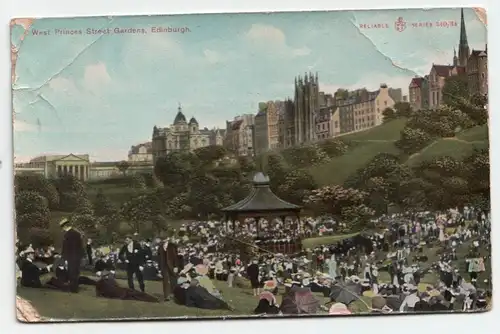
(30, 274)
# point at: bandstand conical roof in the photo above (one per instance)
(261, 200)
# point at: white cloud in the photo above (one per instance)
(213, 57)
(111, 154)
(22, 158)
(63, 85)
(157, 46)
(266, 33)
(21, 126)
(371, 81)
(271, 39)
(438, 56)
(96, 76)
(305, 51)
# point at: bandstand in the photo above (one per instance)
(262, 203)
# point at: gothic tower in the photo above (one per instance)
(306, 105)
(463, 46)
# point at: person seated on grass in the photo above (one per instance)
(108, 287)
(30, 272)
(267, 304)
(150, 272)
(104, 263)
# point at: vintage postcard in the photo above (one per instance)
(241, 165)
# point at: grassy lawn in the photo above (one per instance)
(326, 240)
(116, 193)
(453, 148)
(86, 306)
(389, 131)
(337, 170)
(478, 133)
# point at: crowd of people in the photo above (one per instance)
(422, 262)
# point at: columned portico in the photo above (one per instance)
(72, 165)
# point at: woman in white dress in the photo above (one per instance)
(442, 237)
(332, 266)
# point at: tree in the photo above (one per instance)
(333, 147)
(357, 216)
(203, 197)
(86, 223)
(210, 154)
(389, 114)
(159, 224)
(381, 179)
(103, 207)
(175, 169)
(83, 207)
(123, 167)
(138, 183)
(39, 184)
(276, 170)
(38, 237)
(341, 94)
(455, 88)
(32, 210)
(297, 185)
(70, 190)
(402, 109)
(332, 199)
(142, 209)
(413, 140)
(304, 156)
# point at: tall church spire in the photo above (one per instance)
(463, 32)
(463, 46)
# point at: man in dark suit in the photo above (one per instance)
(88, 249)
(72, 253)
(133, 255)
(169, 266)
(31, 272)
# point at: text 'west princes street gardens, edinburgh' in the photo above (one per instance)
(109, 31)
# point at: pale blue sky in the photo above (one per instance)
(100, 95)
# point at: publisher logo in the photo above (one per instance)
(400, 24)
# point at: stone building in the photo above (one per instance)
(240, 135)
(346, 114)
(306, 105)
(266, 129)
(286, 120)
(325, 126)
(419, 93)
(364, 109)
(437, 79)
(141, 153)
(183, 136)
(477, 72)
(473, 64)
(80, 166)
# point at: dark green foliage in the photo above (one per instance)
(32, 210)
(39, 184)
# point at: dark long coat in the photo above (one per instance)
(72, 247)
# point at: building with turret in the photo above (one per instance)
(306, 106)
(183, 136)
(473, 65)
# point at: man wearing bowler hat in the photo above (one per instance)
(72, 253)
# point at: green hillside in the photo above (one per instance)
(367, 144)
(381, 140)
(337, 170)
(460, 146)
(389, 131)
